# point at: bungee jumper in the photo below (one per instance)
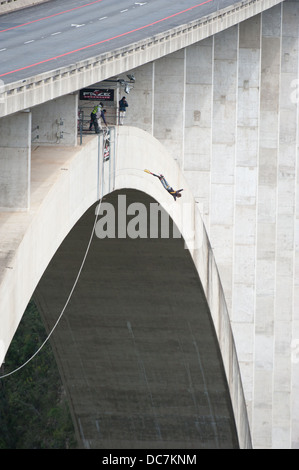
(165, 185)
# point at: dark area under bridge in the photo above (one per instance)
(136, 346)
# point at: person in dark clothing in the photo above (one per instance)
(102, 116)
(123, 104)
(167, 186)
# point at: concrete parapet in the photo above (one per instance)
(7, 6)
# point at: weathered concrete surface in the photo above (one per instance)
(55, 122)
(15, 158)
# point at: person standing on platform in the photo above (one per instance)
(94, 116)
(123, 104)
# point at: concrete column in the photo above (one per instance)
(140, 112)
(15, 151)
(169, 103)
(223, 153)
(295, 320)
(285, 229)
(243, 296)
(198, 122)
(267, 226)
(55, 122)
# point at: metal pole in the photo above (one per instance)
(109, 136)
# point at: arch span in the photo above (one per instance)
(86, 372)
(137, 348)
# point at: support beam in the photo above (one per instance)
(15, 151)
(198, 122)
(244, 233)
(169, 103)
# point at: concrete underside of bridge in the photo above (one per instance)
(136, 346)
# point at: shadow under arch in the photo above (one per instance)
(136, 347)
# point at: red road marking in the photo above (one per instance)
(51, 16)
(105, 40)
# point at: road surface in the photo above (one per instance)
(55, 34)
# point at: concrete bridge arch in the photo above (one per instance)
(217, 415)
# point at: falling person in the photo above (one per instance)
(165, 185)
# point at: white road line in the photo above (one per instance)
(28, 42)
(54, 34)
(103, 18)
(123, 11)
(1, 50)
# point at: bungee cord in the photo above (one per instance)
(76, 279)
(70, 294)
(72, 289)
(67, 301)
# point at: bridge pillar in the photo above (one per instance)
(198, 120)
(55, 122)
(15, 151)
(169, 99)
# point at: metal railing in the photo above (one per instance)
(111, 116)
(106, 152)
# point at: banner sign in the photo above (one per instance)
(95, 94)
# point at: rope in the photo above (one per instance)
(70, 294)
(67, 301)
(72, 289)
